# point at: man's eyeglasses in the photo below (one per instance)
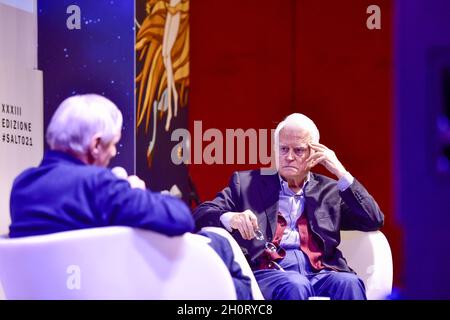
(298, 151)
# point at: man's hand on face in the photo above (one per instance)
(246, 222)
(320, 154)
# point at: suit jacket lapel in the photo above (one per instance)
(311, 196)
(269, 190)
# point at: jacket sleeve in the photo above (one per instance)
(209, 212)
(359, 210)
(119, 204)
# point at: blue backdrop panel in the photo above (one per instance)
(97, 58)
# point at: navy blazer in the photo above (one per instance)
(328, 211)
(65, 194)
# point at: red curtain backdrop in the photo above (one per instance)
(255, 61)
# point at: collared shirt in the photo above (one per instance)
(291, 206)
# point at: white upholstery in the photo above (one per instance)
(113, 263)
(240, 259)
(368, 253)
(2, 294)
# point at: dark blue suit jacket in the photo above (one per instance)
(65, 194)
(328, 211)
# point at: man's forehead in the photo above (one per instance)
(294, 133)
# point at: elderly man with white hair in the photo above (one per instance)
(288, 224)
(73, 189)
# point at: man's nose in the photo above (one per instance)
(290, 155)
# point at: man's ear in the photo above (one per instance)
(94, 148)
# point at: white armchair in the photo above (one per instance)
(368, 253)
(240, 259)
(113, 263)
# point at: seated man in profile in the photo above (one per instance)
(72, 188)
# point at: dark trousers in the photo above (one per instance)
(300, 281)
(223, 248)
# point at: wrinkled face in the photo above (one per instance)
(293, 152)
(107, 152)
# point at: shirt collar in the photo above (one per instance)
(287, 191)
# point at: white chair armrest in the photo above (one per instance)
(240, 259)
(369, 254)
(113, 263)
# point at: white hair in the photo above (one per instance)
(79, 118)
(299, 121)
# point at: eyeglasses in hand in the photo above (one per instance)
(269, 245)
